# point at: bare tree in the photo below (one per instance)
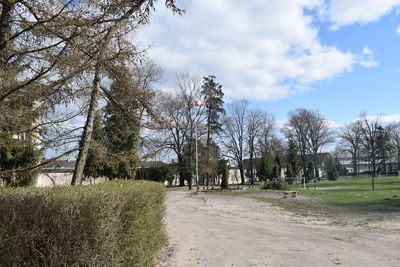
(394, 134)
(234, 133)
(256, 122)
(319, 134)
(351, 138)
(370, 133)
(178, 111)
(296, 129)
(311, 132)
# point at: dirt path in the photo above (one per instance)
(207, 230)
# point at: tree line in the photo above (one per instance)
(73, 82)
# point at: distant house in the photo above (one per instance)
(362, 164)
(60, 172)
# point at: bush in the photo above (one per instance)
(117, 223)
(332, 171)
(156, 174)
(276, 185)
(291, 180)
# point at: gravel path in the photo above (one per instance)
(210, 230)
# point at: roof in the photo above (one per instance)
(59, 165)
(151, 164)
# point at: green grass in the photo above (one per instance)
(357, 194)
(332, 198)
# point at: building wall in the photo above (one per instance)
(62, 178)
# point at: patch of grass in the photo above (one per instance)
(357, 194)
(333, 197)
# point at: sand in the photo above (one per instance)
(214, 230)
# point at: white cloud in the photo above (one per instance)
(258, 49)
(347, 12)
(385, 119)
(334, 124)
(367, 50)
(391, 118)
(367, 58)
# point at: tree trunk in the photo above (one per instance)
(190, 182)
(398, 159)
(87, 132)
(5, 27)
(181, 172)
(241, 172)
(251, 169)
(373, 166)
(304, 165)
(355, 167)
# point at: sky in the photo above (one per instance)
(339, 57)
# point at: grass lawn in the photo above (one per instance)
(336, 198)
(357, 194)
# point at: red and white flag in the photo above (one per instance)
(198, 103)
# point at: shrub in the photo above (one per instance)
(291, 180)
(332, 172)
(112, 224)
(276, 185)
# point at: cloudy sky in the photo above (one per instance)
(339, 56)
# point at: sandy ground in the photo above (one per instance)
(210, 230)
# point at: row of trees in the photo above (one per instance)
(368, 140)
(248, 137)
(72, 81)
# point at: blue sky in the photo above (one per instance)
(340, 57)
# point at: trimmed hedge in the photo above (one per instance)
(119, 223)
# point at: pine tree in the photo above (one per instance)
(19, 114)
(223, 172)
(293, 160)
(265, 169)
(17, 154)
(213, 98)
(310, 171)
(331, 170)
(115, 139)
(277, 167)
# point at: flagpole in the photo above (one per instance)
(197, 158)
(198, 104)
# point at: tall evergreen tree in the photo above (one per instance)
(277, 167)
(310, 171)
(19, 116)
(293, 160)
(331, 169)
(213, 98)
(223, 172)
(265, 169)
(114, 147)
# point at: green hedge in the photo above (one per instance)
(119, 223)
